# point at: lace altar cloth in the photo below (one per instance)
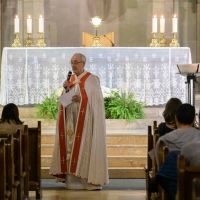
(30, 74)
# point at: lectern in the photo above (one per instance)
(191, 71)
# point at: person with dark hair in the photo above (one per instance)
(185, 132)
(10, 121)
(169, 116)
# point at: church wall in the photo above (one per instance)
(129, 19)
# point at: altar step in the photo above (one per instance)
(126, 152)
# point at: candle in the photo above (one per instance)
(29, 24)
(41, 24)
(16, 23)
(162, 24)
(174, 24)
(154, 24)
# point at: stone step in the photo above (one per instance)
(126, 150)
(120, 138)
(112, 150)
(114, 172)
(127, 161)
(113, 161)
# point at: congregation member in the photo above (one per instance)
(178, 142)
(185, 132)
(191, 152)
(169, 116)
(80, 157)
(10, 120)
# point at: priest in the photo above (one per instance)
(79, 157)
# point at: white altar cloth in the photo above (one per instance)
(30, 74)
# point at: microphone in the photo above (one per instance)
(109, 40)
(68, 77)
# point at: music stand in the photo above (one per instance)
(191, 71)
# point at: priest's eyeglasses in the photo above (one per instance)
(75, 62)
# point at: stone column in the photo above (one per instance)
(1, 29)
(188, 26)
(34, 8)
(20, 12)
(198, 31)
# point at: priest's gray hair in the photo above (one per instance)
(83, 58)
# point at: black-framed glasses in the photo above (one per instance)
(75, 62)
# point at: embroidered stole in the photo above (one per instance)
(79, 129)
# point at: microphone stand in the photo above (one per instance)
(109, 40)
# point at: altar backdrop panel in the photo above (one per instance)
(28, 75)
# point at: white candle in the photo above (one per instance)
(154, 24)
(16, 23)
(162, 24)
(41, 24)
(174, 24)
(29, 24)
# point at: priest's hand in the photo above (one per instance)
(76, 98)
(66, 85)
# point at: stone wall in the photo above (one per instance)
(129, 19)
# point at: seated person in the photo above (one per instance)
(10, 121)
(176, 140)
(191, 152)
(167, 175)
(185, 132)
(169, 116)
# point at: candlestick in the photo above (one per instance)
(29, 42)
(41, 24)
(154, 42)
(162, 24)
(162, 42)
(16, 42)
(154, 24)
(174, 42)
(16, 23)
(174, 24)
(41, 41)
(29, 24)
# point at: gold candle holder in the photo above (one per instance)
(29, 42)
(41, 40)
(154, 41)
(174, 42)
(16, 42)
(162, 42)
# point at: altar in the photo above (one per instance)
(28, 75)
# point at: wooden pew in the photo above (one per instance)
(196, 189)
(148, 168)
(186, 174)
(8, 163)
(25, 154)
(163, 152)
(35, 160)
(19, 161)
(3, 192)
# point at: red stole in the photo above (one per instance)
(79, 129)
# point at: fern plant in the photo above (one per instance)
(48, 108)
(123, 106)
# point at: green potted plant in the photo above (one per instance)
(123, 106)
